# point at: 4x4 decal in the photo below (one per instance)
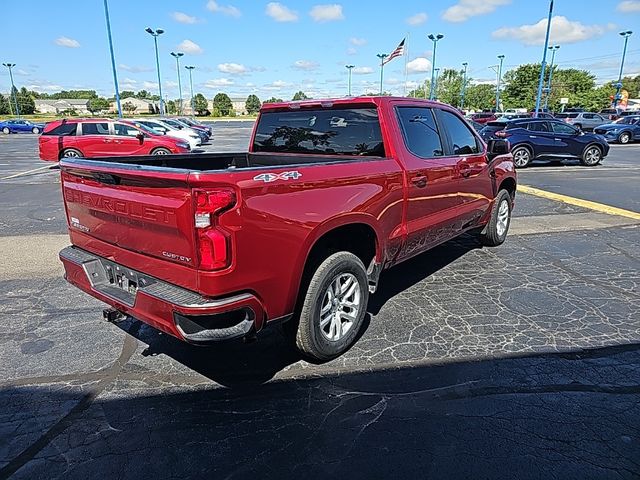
(272, 177)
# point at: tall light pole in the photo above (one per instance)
(464, 85)
(434, 39)
(113, 59)
(553, 49)
(543, 66)
(155, 34)
(13, 88)
(381, 56)
(177, 56)
(617, 98)
(501, 58)
(349, 68)
(435, 85)
(193, 105)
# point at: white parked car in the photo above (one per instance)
(163, 127)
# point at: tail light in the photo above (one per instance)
(502, 134)
(214, 243)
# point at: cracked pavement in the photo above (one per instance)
(475, 362)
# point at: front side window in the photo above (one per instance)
(563, 128)
(420, 131)
(124, 130)
(463, 141)
(337, 131)
(95, 129)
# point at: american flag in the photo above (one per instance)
(398, 52)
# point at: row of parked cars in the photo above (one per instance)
(91, 137)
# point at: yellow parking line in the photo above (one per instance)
(598, 207)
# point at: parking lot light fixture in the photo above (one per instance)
(553, 49)
(544, 61)
(381, 56)
(464, 85)
(501, 58)
(349, 68)
(626, 34)
(193, 105)
(434, 39)
(177, 56)
(13, 88)
(155, 34)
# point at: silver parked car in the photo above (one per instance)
(583, 120)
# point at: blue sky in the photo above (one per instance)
(277, 48)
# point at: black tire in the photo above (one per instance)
(312, 339)
(624, 138)
(160, 151)
(6, 130)
(591, 156)
(495, 232)
(522, 156)
(35, 130)
(70, 153)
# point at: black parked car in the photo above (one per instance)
(548, 139)
(625, 130)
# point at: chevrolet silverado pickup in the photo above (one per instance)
(216, 246)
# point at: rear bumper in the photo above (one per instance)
(179, 312)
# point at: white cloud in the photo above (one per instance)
(130, 81)
(67, 42)
(562, 31)
(629, 6)
(43, 87)
(217, 83)
(465, 9)
(327, 13)
(305, 65)
(280, 13)
(170, 84)
(362, 70)
(233, 68)
(187, 46)
(150, 85)
(181, 17)
(358, 42)
(418, 65)
(417, 19)
(351, 51)
(134, 68)
(277, 85)
(228, 10)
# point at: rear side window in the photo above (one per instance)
(420, 131)
(95, 129)
(539, 127)
(338, 131)
(63, 130)
(463, 141)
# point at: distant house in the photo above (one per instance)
(239, 105)
(80, 105)
(141, 105)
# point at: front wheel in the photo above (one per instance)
(592, 156)
(71, 153)
(161, 151)
(521, 157)
(334, 307)
(35, 130)
(495, 232)
(6, 130)
(624, 138)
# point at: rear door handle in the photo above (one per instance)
(419, 181)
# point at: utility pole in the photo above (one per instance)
(177, 56)
(553, 49)
(14, 91)
(155, 34)
(618, 97)
(113, 60)
(381, 56)
(544, 61)
(501, 58)
(434, 39)
(464, 85)
(349, 68)
(193, 105)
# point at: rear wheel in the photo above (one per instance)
(160, 151)
(521, 157)
(592, 156)
(71, 153)
(6, 130)
(334, 307)
(625, 137)
(495, 232)
(35, 130)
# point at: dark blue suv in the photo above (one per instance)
(547, 139)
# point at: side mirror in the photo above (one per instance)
(497, 147)
(140, 137)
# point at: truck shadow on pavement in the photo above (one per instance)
(556, 415)
(238, 364)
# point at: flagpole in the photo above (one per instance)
(406, 58)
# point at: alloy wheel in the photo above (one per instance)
(340, 306)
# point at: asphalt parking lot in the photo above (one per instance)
(475, 362)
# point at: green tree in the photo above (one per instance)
(632, 85)
(25, 101)
(129, 107)
(74, 94)
(299, 95)
(126, 94)
(143, 94)
(480, 97)
(449, 86)
(273, 100)
(172, 107)
(4, 105)
(252, 104)
(222, 104)
(97, 105)
(200, 104)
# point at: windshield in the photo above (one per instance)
(567, 115)
(144, 128)
(628, 120)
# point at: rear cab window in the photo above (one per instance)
(353, 131)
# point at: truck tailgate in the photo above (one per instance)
(135, 209)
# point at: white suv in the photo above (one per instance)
(163, 127)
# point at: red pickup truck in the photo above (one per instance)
(215, 246)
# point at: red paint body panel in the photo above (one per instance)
(272, 227)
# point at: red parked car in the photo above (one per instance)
(483, 117)
(332, 192)
(91, 138)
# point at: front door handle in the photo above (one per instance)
(419, 181)
(465, 170)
